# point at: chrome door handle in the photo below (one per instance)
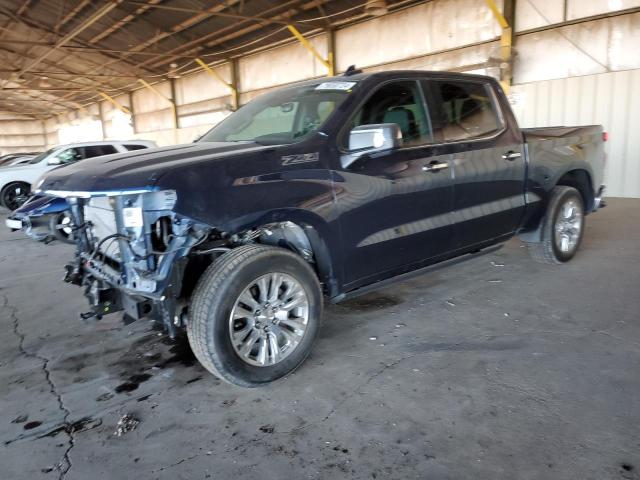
(511, 156)
(435, 167)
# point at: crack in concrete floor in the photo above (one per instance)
(65, 463)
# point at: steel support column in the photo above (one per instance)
(174, 110)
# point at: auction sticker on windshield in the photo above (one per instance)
(336, 86)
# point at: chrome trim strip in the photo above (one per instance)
(87, 194)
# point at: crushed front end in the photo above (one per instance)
(132, 253)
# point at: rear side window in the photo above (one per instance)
(97, 150)
(463, 110)
(132, 146)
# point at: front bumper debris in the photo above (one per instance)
(36, 227)
(13, 224)
(131, 255)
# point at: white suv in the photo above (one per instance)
(16, 181)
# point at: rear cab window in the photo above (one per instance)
(134, 146)
(463, 110)
(91, 151)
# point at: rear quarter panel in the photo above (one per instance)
(552, 153)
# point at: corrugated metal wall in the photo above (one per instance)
(611, 99)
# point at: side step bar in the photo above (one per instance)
(421, 271)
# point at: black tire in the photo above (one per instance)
(208, 328)
(14, 194)
(547, 250)
(55, 225)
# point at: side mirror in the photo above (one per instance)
(376, 137)
(372, 138)
(54, 161)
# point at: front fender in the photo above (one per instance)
(322, 235)
(42, 205)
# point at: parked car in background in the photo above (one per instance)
(12, 158)
(43, 218)
(20, 160)
(16, 181)
(332, 186)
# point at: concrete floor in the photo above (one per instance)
(497, 368)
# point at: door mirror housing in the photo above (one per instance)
(375, 137)
(54, 161)
(366, 139)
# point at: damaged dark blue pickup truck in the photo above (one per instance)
(330, 187)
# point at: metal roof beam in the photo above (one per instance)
(71, 35)
(124, 21)
(44, 28)
(195, 45)
(236, 16)
(71, 15)
(76, 47)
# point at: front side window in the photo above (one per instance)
(284, 116)
(68, 155)
(400, 103)
(463, 110)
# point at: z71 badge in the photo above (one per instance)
(301, 158)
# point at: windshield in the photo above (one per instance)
(284, 116)
(42, 156)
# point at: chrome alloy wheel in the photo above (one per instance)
(64, 225)
(16, 196)
(269, 319)
(568, 228)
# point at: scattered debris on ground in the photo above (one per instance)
(20, 419)
(126, 424)
(267, 428)
(30, 425)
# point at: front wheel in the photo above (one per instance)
(562, 227)
(14, 195)
(255, 314)
(61, 226)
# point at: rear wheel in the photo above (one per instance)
(255, 314)
(14, 195)
(562, 227)
(61, 226)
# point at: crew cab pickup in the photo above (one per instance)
(330, 187)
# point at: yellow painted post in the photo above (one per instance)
(174, 110)
(506, 40)
(497, 13)
(306, 44)
(218, 77)
(331, 49)
(115, 103)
